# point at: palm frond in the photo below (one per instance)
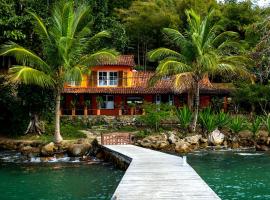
(172, 67)
(95, 59)
(30, 76)
(40, 26)
(227, 35)
(81, 18)
(174, 36)
(24, 56)
(76, 73)
(234, 65)
(161, 53)
(100, 35)
(183, 81)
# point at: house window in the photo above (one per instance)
(170, 98)
(108, 102)
(158, 99)
(107, 78)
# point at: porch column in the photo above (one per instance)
(225, 104)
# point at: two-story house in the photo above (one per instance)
(118, 89)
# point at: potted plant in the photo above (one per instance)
(99, 100)
(73, 104)
(132, 108)
(120, 107)
(86, 106)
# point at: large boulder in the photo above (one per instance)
(30, 151)
(172, 138)
(262, 148)
(48, 149)
(193, 140)
(155, 142)
(182, 147)
(79, 149)
(262, 137)
(216, 137)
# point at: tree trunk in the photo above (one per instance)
(33, 127)
(196, 106)
(57, 135)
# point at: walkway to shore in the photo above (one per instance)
(154, 175)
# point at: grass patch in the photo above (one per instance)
(68, 132)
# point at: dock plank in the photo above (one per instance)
(154, 175)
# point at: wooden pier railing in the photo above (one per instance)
(116, 139)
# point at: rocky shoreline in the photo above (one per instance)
(73, 148)
(168, 142)
(171, 142)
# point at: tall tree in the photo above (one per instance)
(65, 54)
(201, 52)
(144, 20)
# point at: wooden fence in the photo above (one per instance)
(116, 139)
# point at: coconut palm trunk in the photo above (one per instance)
(57, 134)
(196, 106)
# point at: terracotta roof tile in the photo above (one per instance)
(122, 60)
(140, 86)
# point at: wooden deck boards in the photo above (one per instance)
(154, 175)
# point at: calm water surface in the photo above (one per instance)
(234, 175)
(57, 181)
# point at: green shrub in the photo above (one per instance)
(207, 120)
(68, 131)
(237, 124)
(142, 134)
(222, 120)
(255, 126)
(266, 122)
(184, 116)
(154, 114)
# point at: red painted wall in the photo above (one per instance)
(204, 101)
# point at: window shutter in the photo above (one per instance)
(120, 78)
(93, 79)
(125, 81)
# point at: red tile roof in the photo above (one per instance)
(122, 60)
(140, 85)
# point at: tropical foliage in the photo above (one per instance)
(201, 52)
(184, 116)
(65, 52)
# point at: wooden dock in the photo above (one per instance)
(154, 175)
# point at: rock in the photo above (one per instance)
(172, 138)
(262, 133)
(203, 140)
(182, 147)
(216, 137)
(245, 134)
(48, 149)
(194, 140)
(262, 137)
(163, 145)
(145, 143)
(268, 141)
(235, 145)
(79, 149)
(30, 151)
(262, 148)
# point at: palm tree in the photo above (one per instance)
(202, 52)
(65, 52)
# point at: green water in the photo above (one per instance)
(58, 181)
(235, 176)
